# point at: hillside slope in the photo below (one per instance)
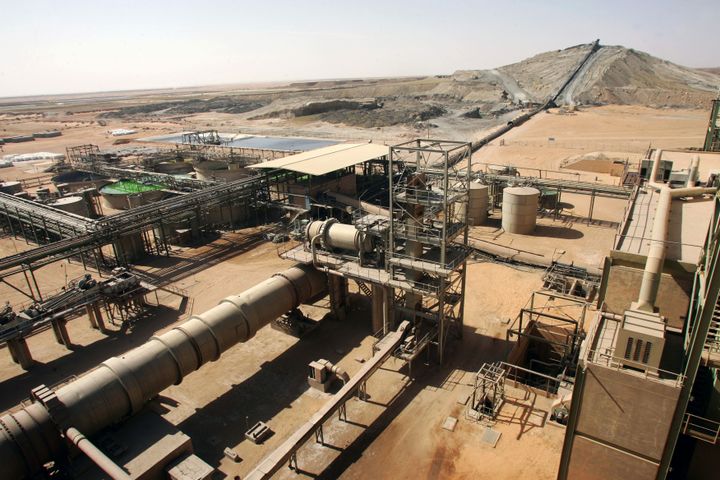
(615, 75)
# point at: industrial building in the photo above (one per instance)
(603, 362)
(626, 354)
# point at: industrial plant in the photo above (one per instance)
(379, 306)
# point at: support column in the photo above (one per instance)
(60, 330)
(388, 298)
(91, 316)
(338, 296)
(20, 352)
(99, 318)
(378, 310)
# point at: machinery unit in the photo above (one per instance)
(323, 373)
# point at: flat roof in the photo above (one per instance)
(687, 229)
(327, 159)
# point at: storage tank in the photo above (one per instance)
(117, 195)
(221, 171)
(72, 204)
(478, 201)
(173, 168)
(548, 198)
(519, 209)
(10, 188)
(74, 180)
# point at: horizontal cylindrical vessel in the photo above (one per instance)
(519, 209)
(338, 235)
(120, 386)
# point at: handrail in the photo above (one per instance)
(701, 428)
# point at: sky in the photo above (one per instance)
(68, 46)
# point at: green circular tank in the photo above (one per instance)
(127, 194)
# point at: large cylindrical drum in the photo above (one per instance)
(519, 209)
(337, 235)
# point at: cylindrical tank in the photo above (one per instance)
(120, 386)
(73, 204)
(478, 201)
(548, 198)
(117, 195)
(129, 247)
(337, 235)
(221, 171)
(519, 209)
(75, 180)
(10, 188)
(173, 168)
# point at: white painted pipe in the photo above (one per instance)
(656, 253)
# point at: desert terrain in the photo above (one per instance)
(617, 111)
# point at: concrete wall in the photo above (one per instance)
(594, 461)
(622, 425)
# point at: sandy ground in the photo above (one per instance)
(267, 378)
(549, 139)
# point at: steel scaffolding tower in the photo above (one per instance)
(712, 138)
(428, 233)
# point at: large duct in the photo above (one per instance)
(120, 386)
(656, 254)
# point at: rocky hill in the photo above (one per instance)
(615, 75)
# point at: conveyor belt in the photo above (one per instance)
(289, 447)
(105, 230)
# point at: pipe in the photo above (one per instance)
(656, 253)
(694, 169)
(96, 455)
(341, 374)
(338, 235)
(120, 386)
(652, 181)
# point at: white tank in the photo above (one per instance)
(478, 201)
(76, 205)
(519, 209)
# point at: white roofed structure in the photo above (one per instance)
(324, 160)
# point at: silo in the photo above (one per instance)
(478, 201)
(519, 209)
(73, 204)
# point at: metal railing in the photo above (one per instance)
(645, 371)
(701, 428)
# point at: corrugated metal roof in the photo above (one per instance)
(327, 159)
